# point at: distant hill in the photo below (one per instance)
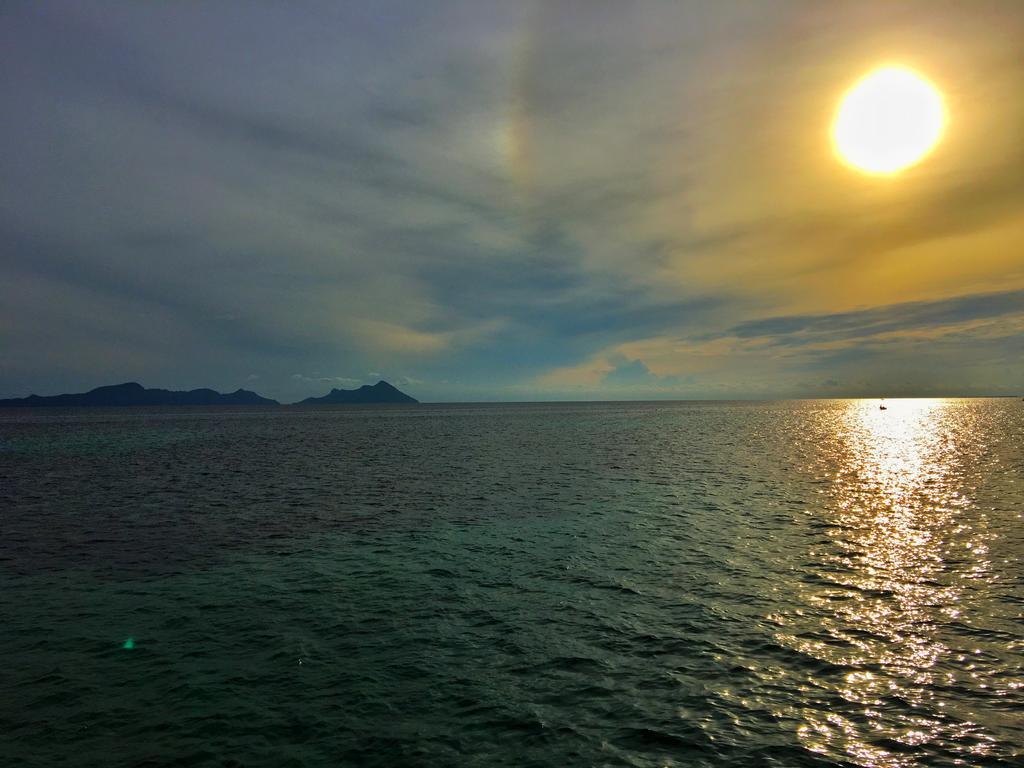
(136, 394)
(381, 392)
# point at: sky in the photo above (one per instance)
(504, 201)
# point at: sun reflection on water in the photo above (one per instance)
(891, 571)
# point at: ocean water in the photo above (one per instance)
(808, 583)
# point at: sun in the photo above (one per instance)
(888, 121)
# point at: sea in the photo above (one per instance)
(801, 583)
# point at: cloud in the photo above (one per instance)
(634, 375)
(498, 199)
(628, 373)
(316, 380)
(905, 319)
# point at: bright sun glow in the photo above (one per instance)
(888, 121)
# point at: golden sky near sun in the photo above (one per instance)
(789, 220)
(751, 198)
(761, 208)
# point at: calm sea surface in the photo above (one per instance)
(647, 584)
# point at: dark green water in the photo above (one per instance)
(681, 584)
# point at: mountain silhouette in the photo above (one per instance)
(381, 392)
(135, 394)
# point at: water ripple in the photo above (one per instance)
(688, 584)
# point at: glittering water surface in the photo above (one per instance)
(688, 584)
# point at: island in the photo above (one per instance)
(381, 392)
(131, 394)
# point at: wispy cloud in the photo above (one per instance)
(905, 318)
(496, 199)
